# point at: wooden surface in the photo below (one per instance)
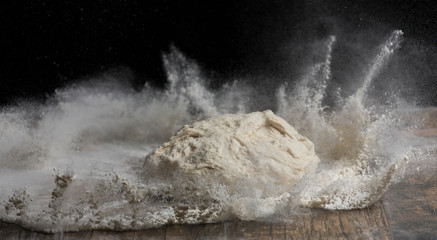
(367, 223)
(407, 211)
(411, 207)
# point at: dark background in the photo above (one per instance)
(45, 45)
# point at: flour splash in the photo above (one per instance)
(78, 162)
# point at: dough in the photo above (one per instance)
(259, 151)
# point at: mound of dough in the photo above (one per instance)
(260, 151)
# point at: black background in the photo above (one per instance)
(49, 44)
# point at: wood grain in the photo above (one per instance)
(412, 208)
(356, 224)
(407, 211)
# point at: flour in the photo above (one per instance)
(113, 169)
(259, 149)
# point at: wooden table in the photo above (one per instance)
(407, 211)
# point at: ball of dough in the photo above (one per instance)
(259, 151)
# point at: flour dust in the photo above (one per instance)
(76, 162)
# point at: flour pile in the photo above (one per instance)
(98, 156)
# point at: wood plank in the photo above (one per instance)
(9, 231)
(151, 234)
(355, 224)
(213, 231)
(103, 235)
(183, 231)
(365, 223)
(76, 236)
(407, 211)
(411, 205)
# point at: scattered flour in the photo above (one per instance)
(238, 166)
